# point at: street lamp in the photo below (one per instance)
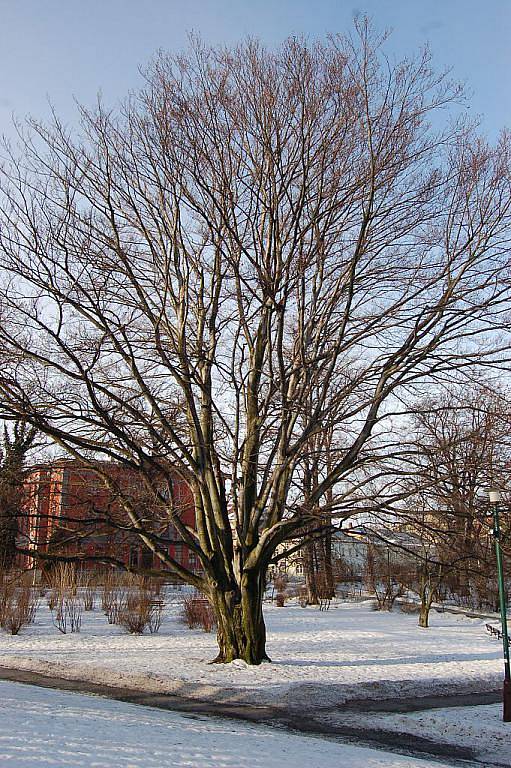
(494, 495)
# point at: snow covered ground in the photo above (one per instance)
(324, 658)
(479, 728)
(41, 727)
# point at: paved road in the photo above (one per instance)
(310, 722)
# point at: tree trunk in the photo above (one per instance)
(310, 572)
(326, 551)
(426, 593)
(241, 630)
(424, 614)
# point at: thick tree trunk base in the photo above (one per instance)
(424, 618)
(221, 659)
(241, 632)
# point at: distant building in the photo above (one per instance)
(350, 547)
(69, 510)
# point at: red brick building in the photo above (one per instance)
(70, 510)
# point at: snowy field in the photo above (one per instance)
(41, 727)
(323, 658)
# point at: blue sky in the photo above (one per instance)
(66, 49)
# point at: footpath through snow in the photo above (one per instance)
(56, 728)
(322, 664)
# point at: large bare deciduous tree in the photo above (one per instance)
(258, 248)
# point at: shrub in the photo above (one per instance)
(409, 607)
(197, 612)
(156, 616)
(89, 596)
(135, 611)
(110, 585)
(190, 612)
(114, 604)
(7, 588)
(207, 618)
(68, 616)
(63, 579)
(18, 608)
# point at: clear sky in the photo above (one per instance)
(66, 49)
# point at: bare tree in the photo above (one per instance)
(252, 227)
(462, 447)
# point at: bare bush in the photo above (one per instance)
(134, 602)
(89, 597)
(109, 585)
(19, 607)
(383, 577)
(190, 613)
(7, 588)
(280, 583)
(302, 597)
(135, 611)
(87, 586)
(409, 607)
(197, 612)
(68, 615)
(207, 619)
(52, 599)
(63, 579)
(156, 616)
(115, 602)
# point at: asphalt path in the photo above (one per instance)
(298, 720)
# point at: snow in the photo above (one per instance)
(324, 658)
(479, 728)
(43, 727)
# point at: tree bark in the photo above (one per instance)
(241, 629)
(311, 575)
(424, 614)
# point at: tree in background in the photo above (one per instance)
(253, 227)
(17, 442)
(462, 447)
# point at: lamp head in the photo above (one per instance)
(494, 495)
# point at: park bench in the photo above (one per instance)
(494, 631)
(324, 603)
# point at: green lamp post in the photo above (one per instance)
(494, 495)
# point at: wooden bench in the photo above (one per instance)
(324, 603)
(494, 631)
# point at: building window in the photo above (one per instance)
(178, 553)
(147, 558)
(133, 557)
